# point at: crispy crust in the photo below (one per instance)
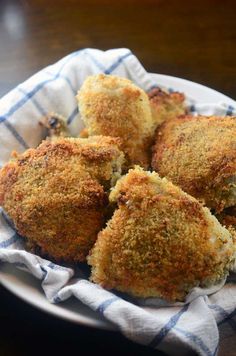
(114, 106)
(198, 153)
(55, 193)
(166, 106)
(160, 241)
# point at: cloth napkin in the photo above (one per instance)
(182, 328)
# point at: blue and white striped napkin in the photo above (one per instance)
(177, 329)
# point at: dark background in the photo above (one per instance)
(195, 40)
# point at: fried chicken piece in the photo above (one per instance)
(114, 106)
(160, 242)
(55, 194)
(198, 153)
(166, 106)
(56, 126)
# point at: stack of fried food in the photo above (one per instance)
(146, 195)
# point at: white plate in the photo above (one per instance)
(28, 288)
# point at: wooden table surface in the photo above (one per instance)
(193, 39)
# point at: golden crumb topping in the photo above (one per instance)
(55, 193)
(166, 106)
(198, 153)
(114, 106)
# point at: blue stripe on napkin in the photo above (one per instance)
(104, 305)
(167, 328)
(194, 339)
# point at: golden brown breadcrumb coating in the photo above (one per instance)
(198, 153)
(55, 193)
(160, 242)
(166, 106)
(114, 106)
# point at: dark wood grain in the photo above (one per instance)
(193, 39)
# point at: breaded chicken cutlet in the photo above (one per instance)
(55, 194)
(198, 153)
(114, 106)
(166, 106)
(160, 242)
